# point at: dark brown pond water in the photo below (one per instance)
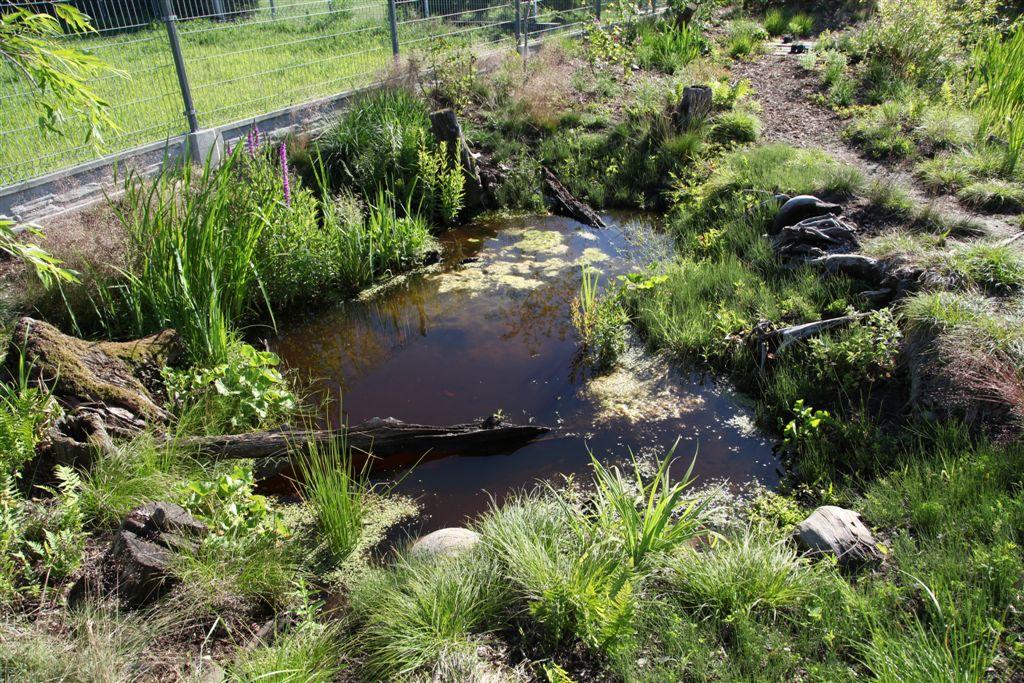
(491, 331)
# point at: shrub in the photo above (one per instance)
(775, 22)
(864, 351)
(801, 25)
(442, 184)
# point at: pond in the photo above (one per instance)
(489, 330)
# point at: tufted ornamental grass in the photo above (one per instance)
(336, 492)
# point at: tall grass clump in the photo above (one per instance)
(427, 617)
(375, 144)
(999, 73)
(336, 492)
(776, 22)
(667, 48)
(196, 251)
(390, 239)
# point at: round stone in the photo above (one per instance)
(444, 542)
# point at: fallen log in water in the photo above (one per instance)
(569, 206)
(386, 443)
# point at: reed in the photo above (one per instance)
(195, 269)
(999, 74)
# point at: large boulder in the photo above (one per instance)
(445, 542)
(832, 530)
(802, 207)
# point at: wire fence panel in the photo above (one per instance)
(146, 104)
(245, 58)
(282, 54)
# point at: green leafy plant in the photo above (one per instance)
(247, 391)
(442, 183)
(776, 22)
(866, 350)
(599, 321)
(227, 504)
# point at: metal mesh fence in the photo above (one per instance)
(246, 58)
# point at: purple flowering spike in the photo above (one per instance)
(250, 144)
(284, 175)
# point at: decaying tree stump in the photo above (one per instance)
(694, 106)
(122, 376)
(446, 128)
(569, 206)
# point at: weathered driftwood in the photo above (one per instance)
(815, 237)
(567, 205)
(386, 443)
(800, 208)
(788, 336)
(446, 128)
(769, 340)
(694, 106)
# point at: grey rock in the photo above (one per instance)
(445, 542)
(152, 520)
(800, 208)
(832, 530)
(138, 570)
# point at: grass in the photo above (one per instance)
(745, 38)
(336, 493)
(427, 617)
(308, 653)
(801, 25)
(995, 269)
(668, 49)
(776, 22)
(1000, 76)
(994, 195)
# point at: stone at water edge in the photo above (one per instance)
(802, 207)
(445, 542)
(837, 531)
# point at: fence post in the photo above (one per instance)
(179, 66)
(524, 50)
(393, 20)
(426, 9)
(518, 26)
(597, 9)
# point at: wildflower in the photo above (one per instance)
(284, 175)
